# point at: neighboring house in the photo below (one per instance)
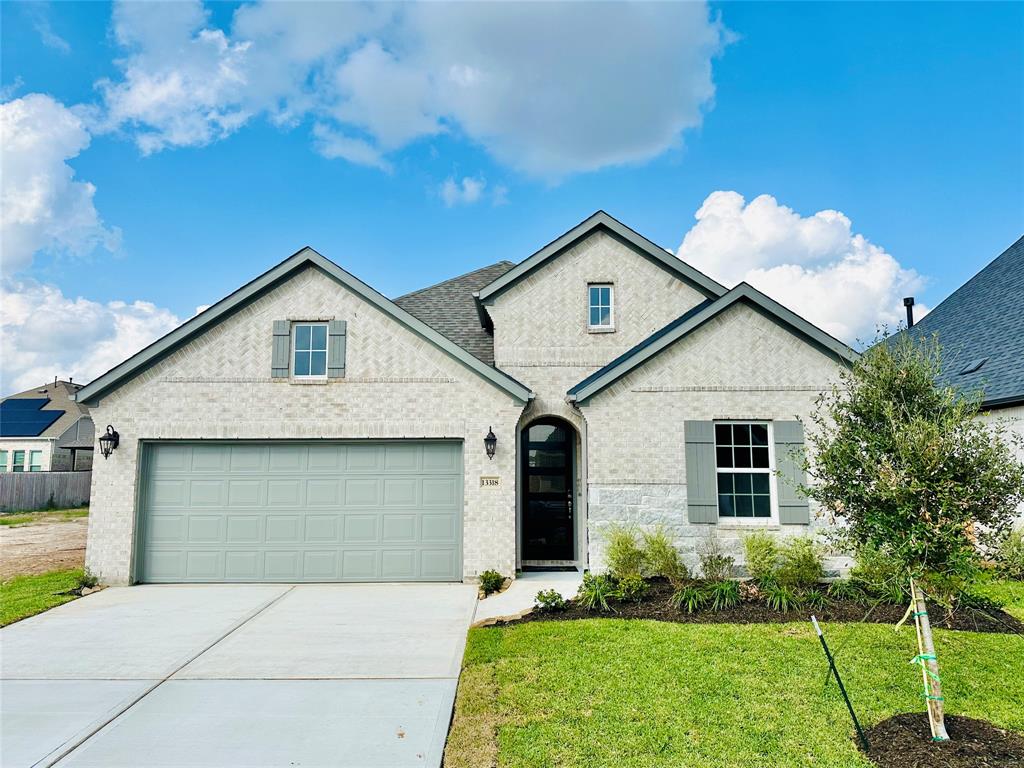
(306, 428)
(980, 328)
(43, 429)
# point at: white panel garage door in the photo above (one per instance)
(322, 511)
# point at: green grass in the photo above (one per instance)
(627, 693)
(43, 516)
(1009, 593)
(24, 596)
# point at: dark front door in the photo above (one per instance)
(548, 449)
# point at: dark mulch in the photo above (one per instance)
(656, 606)
(905, 741)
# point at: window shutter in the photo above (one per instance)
(282, 349)
(789, 438)
(336, 331)
(701, 479)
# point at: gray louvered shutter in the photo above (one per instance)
(701, 479)
(336, 330)
(282, 349)
(789, 440)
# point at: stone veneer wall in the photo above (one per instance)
(741, 365)
(397, 385)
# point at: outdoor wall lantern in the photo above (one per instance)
(109, 441)
(490, 443)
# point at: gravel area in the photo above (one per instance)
(42, 547)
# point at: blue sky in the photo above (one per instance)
(906, 118)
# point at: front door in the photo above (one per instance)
(548, 449)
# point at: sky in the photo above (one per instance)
(157, 156)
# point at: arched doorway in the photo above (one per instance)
(548, 525)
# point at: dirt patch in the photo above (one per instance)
(904, 741)
(42, 547)
(656, 606)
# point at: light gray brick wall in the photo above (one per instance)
(740, 365)
(1012, 420)
(397, 385)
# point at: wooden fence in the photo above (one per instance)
(24, 491)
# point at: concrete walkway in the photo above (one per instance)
(235, 675)
(519, 597)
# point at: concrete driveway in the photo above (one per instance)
(236, 675)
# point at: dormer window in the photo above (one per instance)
(601, 307)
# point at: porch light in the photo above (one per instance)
(109, 441)
(490, 443)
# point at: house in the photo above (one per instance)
(306, 428)
(44, 429)
(980, 328)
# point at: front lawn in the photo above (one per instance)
(43, 516)
(24, 596)
(613, 692)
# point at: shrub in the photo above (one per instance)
(491, 581)
(846, 589)
(689, 598)
(802, 565)
(624, 555)
(879, 573)
(87, 580)
(814, 598)
(723, 594)
(762, 555)
(1010, 555)
(714, 563)
(550, 601)
(781, 598)
(595, 591)
(631, 589)
(663, 559)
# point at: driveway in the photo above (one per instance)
(236, 675)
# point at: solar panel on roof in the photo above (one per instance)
(24, 417)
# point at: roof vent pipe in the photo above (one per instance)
(908, 302)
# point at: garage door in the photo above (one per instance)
(324, 511)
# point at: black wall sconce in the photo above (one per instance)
(109, 441)
(490, 443)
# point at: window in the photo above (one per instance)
(19, 461)
(35, 461)
(601, 313)
(3, 461)
(743, 458)
(309, 342)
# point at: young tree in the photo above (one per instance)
(905, 465)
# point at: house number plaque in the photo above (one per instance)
(489, 481)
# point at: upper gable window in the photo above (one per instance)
(309, 345)
(601, 307)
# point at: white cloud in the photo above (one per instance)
(44, 207)
(44, 333)
(815, 265)
(464, 192)
(39, 13)
(549, 89)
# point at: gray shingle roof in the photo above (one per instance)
(984, 320)
(450, 309)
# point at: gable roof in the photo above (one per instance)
(270, 279)
(983, 321)
(601, 221)
(693, 319)
(52, 413)
(449, 308)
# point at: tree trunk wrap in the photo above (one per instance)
(929, 666)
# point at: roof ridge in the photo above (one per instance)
(457, 277)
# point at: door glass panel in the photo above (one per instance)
(546, 433)
(542, 458)
(547, 484)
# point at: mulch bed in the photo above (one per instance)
(905, 741)
(656, 606)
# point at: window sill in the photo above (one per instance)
(600, 329)
(308, 382)
(731, 525)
